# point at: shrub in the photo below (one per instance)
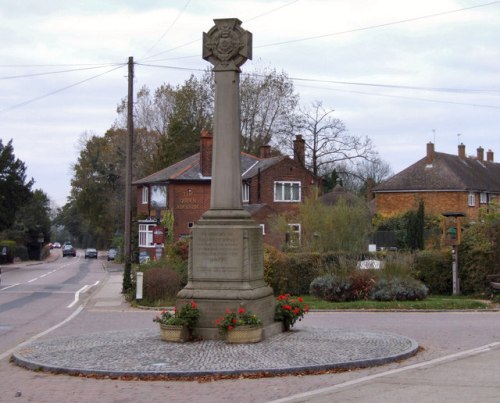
(362, 282)
(331, 288)
(21, 252)
(161, 284)
(434, 270)
(398, 289)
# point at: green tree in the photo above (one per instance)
(14, 188)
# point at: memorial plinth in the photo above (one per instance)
(225, 269)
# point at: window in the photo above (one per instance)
(483, 198)
(145, 195)
(146, 235)
(159, 196)
(287, 191)
(245, 192)
(293, 235)
(472, 199)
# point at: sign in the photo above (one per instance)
(158, 234)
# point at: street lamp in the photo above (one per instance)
(453, 235)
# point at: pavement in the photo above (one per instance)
(455, 363)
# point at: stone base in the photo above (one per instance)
(226, 271)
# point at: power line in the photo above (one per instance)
(378, 25)
(29, 101)
(52, 72)
(167, 30)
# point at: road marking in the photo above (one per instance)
(77, 294)
(10, 286)
(8, 353)
(309, 395)
(33, 279)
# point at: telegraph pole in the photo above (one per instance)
(127, 282)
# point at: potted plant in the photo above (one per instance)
(289, 310)
(178, 326)
(241, 326)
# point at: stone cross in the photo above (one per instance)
(227, 46)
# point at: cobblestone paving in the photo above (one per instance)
(142, 353)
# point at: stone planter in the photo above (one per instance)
(244, 334)
(175, 333)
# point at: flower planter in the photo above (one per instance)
(175, 333)
(244, 334)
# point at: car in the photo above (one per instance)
(56, 245)
(112, 254)
(91, 253)
(68, 250)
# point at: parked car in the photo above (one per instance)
(112, 254)
(68, 250)
(144, 257)
(91, 253)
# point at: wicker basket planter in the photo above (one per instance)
(244, 334)
(175, 333)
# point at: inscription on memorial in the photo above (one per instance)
(218, 253)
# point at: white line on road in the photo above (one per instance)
(77, 294)
(329, 389)
(10, 286)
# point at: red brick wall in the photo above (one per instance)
(436, 203)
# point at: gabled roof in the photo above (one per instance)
(262, 165)
(189, 169)
(446, 173)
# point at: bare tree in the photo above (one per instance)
(328, 143)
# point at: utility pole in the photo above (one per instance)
(127, 281)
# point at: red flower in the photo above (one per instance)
(234, 320)
(228, 310)
(229, 327)
(296, 311)
(287, 307)
(241, 310)
(175, 309)
(307, 308)
(300, 299)
(217, 321)
(193, 304)
(163, 311)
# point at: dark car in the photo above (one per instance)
(68, 250)
(91, 253)
(112, 254)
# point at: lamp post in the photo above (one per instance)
(454, 236)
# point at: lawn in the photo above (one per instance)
(433, 302)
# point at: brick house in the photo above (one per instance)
(270, 186)
(445, 183)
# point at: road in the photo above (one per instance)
(34, 298)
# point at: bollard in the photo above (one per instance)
(139, 285)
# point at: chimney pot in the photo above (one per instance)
(430, 153)
(489, 156)
(480, 153)
(265, 151)
(299, 150)
(461, 150)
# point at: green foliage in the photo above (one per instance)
(187, 316)
(479, 252)
(331, 288)
(10, 249)
(14, 189)
(433, 268)
(21, 252)
(398, 289)
(343, 227)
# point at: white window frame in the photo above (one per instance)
(472, 199)
(294, 229)
(145, 195)
(483, 198)
(245, 193)
(146, 235)
(280, 191)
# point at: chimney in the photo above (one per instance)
(369, 188)
(461, 150)
(430, 153)
(480, 153)
(489, 156)
(206, 153)
(299, 149)
(265, 151)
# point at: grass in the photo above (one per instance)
(433, 302)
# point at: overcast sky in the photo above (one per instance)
(401, 72)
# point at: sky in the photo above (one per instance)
(402, 73)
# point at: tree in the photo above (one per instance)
(328, 142)
(268, 109)
(14, 189)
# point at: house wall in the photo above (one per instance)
(436, 203)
